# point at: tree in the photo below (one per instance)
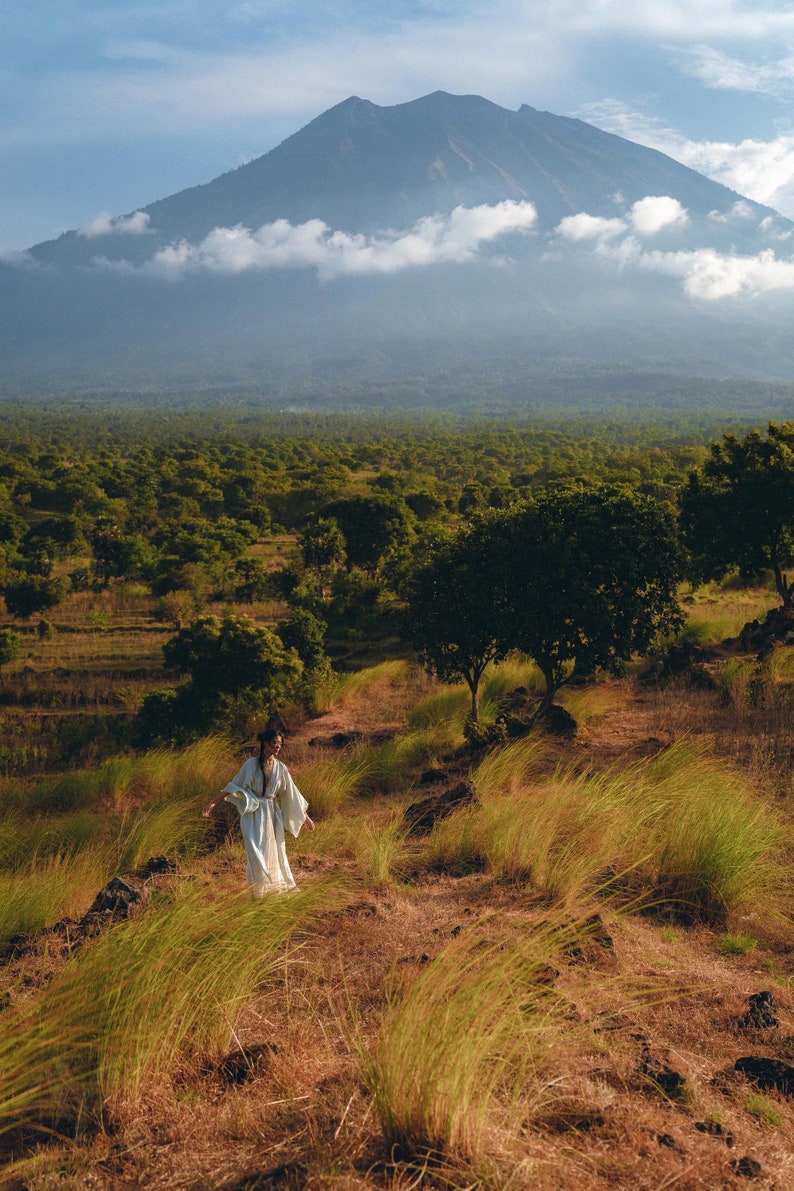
(237, 672)
(372, 526)
(581, 580)
(449, 616)
(9, 648)
(305, 633)
(322, 546)
(34, 593)
(738, 509)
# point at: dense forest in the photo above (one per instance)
(283, 547)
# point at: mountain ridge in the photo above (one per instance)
(362, 168)
(376, 240)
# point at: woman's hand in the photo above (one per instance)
(208, 809)
(309, 823)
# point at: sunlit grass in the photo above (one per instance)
(143, 999)
(48, 889)
(682, 830)
(330, 783)
(382, 848)
(447, 705)
(719, 613)
(467, 1048)
(372, 681)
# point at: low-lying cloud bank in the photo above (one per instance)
(105, 224)
(705, 273)
(437, 239)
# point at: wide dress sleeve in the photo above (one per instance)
(241, 791)
(294, 807)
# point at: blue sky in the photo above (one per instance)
(109, 106)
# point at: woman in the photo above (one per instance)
(268, 801)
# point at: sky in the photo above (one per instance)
(107, 107)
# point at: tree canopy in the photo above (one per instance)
(579, 580)
(738, 509)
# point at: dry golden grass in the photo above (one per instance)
(342, 1101)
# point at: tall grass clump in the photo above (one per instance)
(49, 888)
(148, 996)
(376, 682)
(682, 830)
(735, 682)
(173, 828)
(510, 674)
(331, 783)
(447, 706)
(466, 1049)
(381, 849)
(716, 847)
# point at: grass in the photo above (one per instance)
(682, 829)
(466, 1047)
(764, 1110)
(145, 998)
(736, 943)
(482, 1059)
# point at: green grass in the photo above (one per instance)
(682, 830)
(465, 1042)
(763, 1109)
(736, 943)
(142, 1000)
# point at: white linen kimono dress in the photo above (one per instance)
(264, 814)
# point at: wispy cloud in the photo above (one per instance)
(457, 237)
(761, 170)
(724, 72)
(106, 224)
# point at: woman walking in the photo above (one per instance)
(268, 802)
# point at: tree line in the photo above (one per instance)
(506, 542)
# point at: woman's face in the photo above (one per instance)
(273, 747)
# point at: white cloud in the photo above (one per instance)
(457, 237)
(720, 71)
(651, 214)
(711, 275)
(590, 227)
(760, 170)
(106, 224)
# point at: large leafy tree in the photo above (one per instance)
(371, 526)
(738, 509)
(237, 672)
(449, 616)
(582, 579)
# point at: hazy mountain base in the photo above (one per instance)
(528, 334)
(531, 389)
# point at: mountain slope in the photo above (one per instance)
(360, 168)
(454, 234)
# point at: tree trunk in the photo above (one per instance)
(474, 686)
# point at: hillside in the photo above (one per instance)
(634, 1022)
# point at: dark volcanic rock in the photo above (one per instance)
(767, 1074)
(556, 721)
(655, 1065)
(777, 628)
(747, 1167)
(420, 816)
(246, 1063)
(761, 1012)
(123, 897)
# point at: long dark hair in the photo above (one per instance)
(269, 736)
